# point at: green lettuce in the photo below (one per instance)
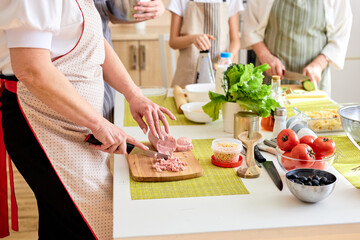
(243, 84)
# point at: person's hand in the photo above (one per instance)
(113, 139)
(202, 41)
(313, 71)
(315, 68)
(141, 107)
(276, 66)
(150, 10)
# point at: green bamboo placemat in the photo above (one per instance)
(169, 103)
(216, 181)
(316, 105)
(349, 159)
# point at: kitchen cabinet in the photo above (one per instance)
(142, 60)
(140, 53)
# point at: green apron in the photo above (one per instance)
(296, 34)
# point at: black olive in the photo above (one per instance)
(316, 177)
(315, 182)
(324, 180)
(303, 178)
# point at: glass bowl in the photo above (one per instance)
(288, 163)
(155, 94)
(325, 120)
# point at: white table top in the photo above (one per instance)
(265, 207)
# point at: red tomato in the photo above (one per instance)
(318, 164)
(304, 152)
(324, 147)
(287, 139)
(287, 163)
(308, 139)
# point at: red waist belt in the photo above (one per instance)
(4, 217)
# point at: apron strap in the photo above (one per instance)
(4, 217)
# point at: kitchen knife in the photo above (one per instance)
(129, 147)
(270, 168)
(295, 76)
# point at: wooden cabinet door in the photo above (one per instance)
(150, 64)
(128, 51)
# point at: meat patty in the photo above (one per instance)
(184, 144)
(166, 146)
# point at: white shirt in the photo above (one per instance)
(49, 24)
(338, 26)
(178, 6)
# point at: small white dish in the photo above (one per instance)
(194, 112)
(199, 92)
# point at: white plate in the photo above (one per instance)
(194, 112)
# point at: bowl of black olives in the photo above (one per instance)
(310, 185)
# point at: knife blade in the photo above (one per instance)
(129, 147)
(270, 168)
(288, 75)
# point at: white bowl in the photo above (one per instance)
(199, 92)
(194, 112)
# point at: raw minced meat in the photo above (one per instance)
(173, 164)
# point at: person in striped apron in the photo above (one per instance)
(202, 25)
(149, 10)
(53, 62)
(302, 36)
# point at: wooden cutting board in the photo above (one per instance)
(142, 171)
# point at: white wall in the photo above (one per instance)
(346, 83)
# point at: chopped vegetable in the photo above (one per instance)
(243, 84)
(308, 85)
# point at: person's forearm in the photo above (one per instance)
(177, 41)
(234, 48)
(181, 42)
(261, 51)
(33, 67)
(116, 75)
(234, 45)
(321, 61)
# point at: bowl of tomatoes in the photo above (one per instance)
(306, 152)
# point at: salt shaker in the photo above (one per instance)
(280, 120)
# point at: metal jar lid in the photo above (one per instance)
(280, 111)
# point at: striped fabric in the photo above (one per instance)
(211, 17)
(296, 34)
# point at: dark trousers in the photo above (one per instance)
(59, 217)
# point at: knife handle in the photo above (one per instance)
(258, 156)
(91, 139)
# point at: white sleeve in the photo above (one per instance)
(30, 23)
(235, 6)
(338, 26)
(175, 6)
(256, 18)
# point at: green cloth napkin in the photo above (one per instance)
(216, 181)
(348, 159)
(311, 106)
(169, 103)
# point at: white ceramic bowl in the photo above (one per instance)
(199, 92)
(194, 112)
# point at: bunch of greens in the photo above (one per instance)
(243, 85)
